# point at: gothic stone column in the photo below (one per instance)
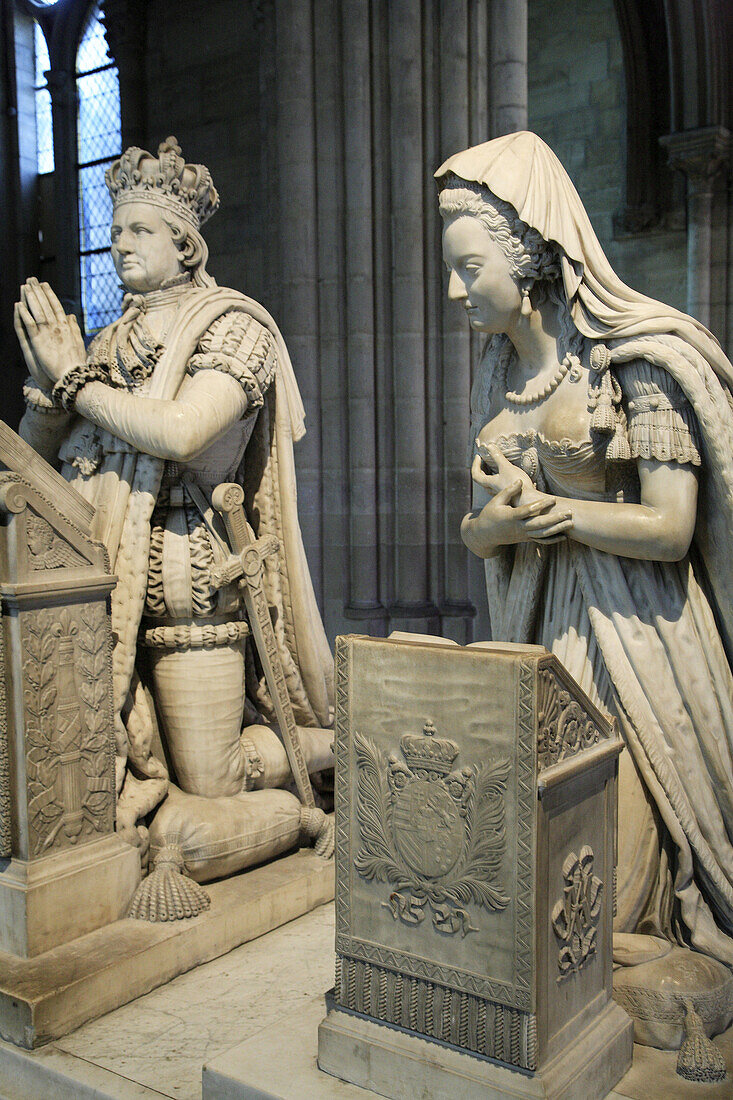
(125, 28)
(703, 155)
(62, 86)
(508, 66)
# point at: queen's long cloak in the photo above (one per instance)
(648, 639)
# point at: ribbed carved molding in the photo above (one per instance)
(370, 97)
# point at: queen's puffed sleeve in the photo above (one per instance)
(661, 424)
(240, 346)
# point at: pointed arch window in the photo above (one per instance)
(99, 140)
(44, 124)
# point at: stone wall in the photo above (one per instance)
(218, 74)
(204, 75)
(319, 142)
(577, 104)
(203, 78)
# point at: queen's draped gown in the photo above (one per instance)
(641, 638)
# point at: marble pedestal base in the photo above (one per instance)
(53, 900)
(50, 995)
(400, 1065)
(279, 1063)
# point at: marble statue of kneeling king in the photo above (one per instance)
(190, 390)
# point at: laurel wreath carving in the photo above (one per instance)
(48, 815)
(478, 792)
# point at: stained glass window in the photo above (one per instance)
(99, 142)
(44, 128)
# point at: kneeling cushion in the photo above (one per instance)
(218, 836)
(654, 994)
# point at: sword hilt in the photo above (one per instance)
(247, 563)
(228, 499)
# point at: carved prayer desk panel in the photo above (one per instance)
(475, 825)
(56, 741)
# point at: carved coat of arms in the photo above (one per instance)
(433, 832)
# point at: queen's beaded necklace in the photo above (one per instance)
(533, 397)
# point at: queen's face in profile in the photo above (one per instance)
(480, 276)
(143, 250)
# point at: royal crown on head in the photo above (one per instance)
(165, 181)
(428, 755)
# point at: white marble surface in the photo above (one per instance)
(156, 1046)
(50, 996)
(163, 1039)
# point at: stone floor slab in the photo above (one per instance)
(268, 1067)
(55, 1075)
(281, 1064)
(49, 996)
(259, 1008)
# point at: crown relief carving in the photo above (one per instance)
(166, 181)
(426, 754)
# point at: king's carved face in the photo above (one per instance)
(143, 250)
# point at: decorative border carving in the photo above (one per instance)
(650, 1004)
(341, 780)
(67, 701)
(491, 989)
(438, 1012)
(526, 799)
(5, 833)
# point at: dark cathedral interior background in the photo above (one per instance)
(322, 122)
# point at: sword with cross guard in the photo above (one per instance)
(246, 565)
